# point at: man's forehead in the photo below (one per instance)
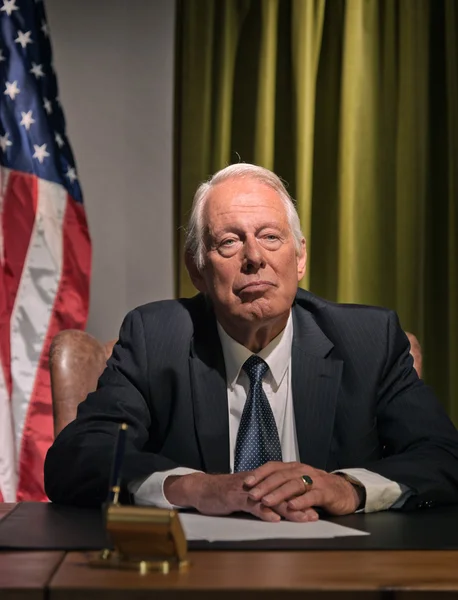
(241, 184)
(242, 194)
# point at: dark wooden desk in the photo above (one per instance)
(358, 574)
(254, 575)
(5, 508)
(25, 575)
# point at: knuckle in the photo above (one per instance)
(273, 465)
(284, 476)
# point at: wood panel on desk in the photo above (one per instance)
(256, 575)
(25, 575)
(5, 508)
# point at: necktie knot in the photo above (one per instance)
(255, 367)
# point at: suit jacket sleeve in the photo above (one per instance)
(78, 464)
(420, 442)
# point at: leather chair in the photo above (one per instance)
(415, 351)
(77, 360)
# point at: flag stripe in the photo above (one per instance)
(17, 229)
(8, 469)
(69, 311)
(35, 298)
(73, 300)
(4, 177)
(4, 312)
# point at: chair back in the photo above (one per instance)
(415, 351)
(76, 361)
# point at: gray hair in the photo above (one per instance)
(194, 243)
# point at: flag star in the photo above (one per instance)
(37, 70)
(5, 142)
(71, 174)
(27, 119)
(40, 153)
(2, 58)
(47, 106)
(59, 141)
(45, 28)
(11, 90)
(23, 38)
(9, 6)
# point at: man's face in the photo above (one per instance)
(251, 267)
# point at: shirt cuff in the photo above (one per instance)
(150, 491)
(381, 493)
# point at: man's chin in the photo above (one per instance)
(256, 308)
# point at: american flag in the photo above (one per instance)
(45, 250)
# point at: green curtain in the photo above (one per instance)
(355, 104)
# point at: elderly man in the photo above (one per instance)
(256, 396)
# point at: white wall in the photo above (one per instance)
(115, 68)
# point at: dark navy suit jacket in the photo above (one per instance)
(357, 402)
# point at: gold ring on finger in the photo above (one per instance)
(307, 481)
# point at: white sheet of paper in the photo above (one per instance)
(231, 529)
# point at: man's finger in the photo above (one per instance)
(313, 498)
(283, 470)
(302, 516)
(265, 470)
(279, 478)
(275, 494)
(265, 513)
(298, 516)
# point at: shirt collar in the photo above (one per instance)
(276, 354)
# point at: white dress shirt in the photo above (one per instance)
(381, 493)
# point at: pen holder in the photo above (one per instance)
(145, 539)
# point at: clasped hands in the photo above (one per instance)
(271, 492)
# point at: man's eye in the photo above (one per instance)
(228, 243)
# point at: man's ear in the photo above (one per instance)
(194, 273)
(301, 260)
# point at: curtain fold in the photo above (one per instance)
(194, 127)
(354, 103)
(264, 142)
(411, 160)
(357, 168)
(306, 32)
(451, 59)
(225, 84)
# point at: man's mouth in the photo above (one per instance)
(255, 286)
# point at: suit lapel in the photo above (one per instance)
(209, 394)
(315, 382)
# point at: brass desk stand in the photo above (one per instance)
(145, 539)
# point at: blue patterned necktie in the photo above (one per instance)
(257, 437)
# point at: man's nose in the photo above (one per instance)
(253, 255)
